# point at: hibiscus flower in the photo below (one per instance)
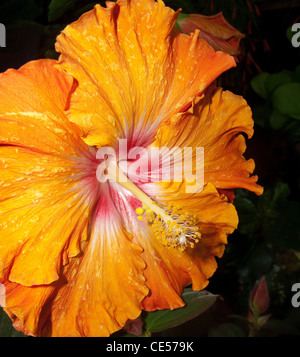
(80, 257)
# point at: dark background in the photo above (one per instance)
(267, 242)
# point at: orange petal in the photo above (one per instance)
(215, 30)
(32, 103)
(97, 292)
(41, 175)
(26, 305)
(106, 285)
(31, 89)
(195, 266)
(217, 124)
(133, 71)
(169, 270)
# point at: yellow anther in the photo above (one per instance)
(170, 225)
(174, 228)
(139, 210)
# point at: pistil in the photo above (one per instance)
(173, 227)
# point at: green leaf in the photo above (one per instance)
(296, 74)
(261, 114)
(181, 16)
(58, 7)
(292, 127)
(249, 217)
(257, 263)
(227, 330)
(280, 217)
(286, 234)
(258, 84)
(281, 327)
(273, 81)
(6, 328)
(272, 199)
(286, 101)
(277, 120)
(196, 303)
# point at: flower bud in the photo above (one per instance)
(134, 327)
(259, 297)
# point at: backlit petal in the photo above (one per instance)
(106, 285)
(97, 291)
(217, 125)
(27, 306)
(215, 30)
(41, 170)
(169, 270)
(133, 71)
